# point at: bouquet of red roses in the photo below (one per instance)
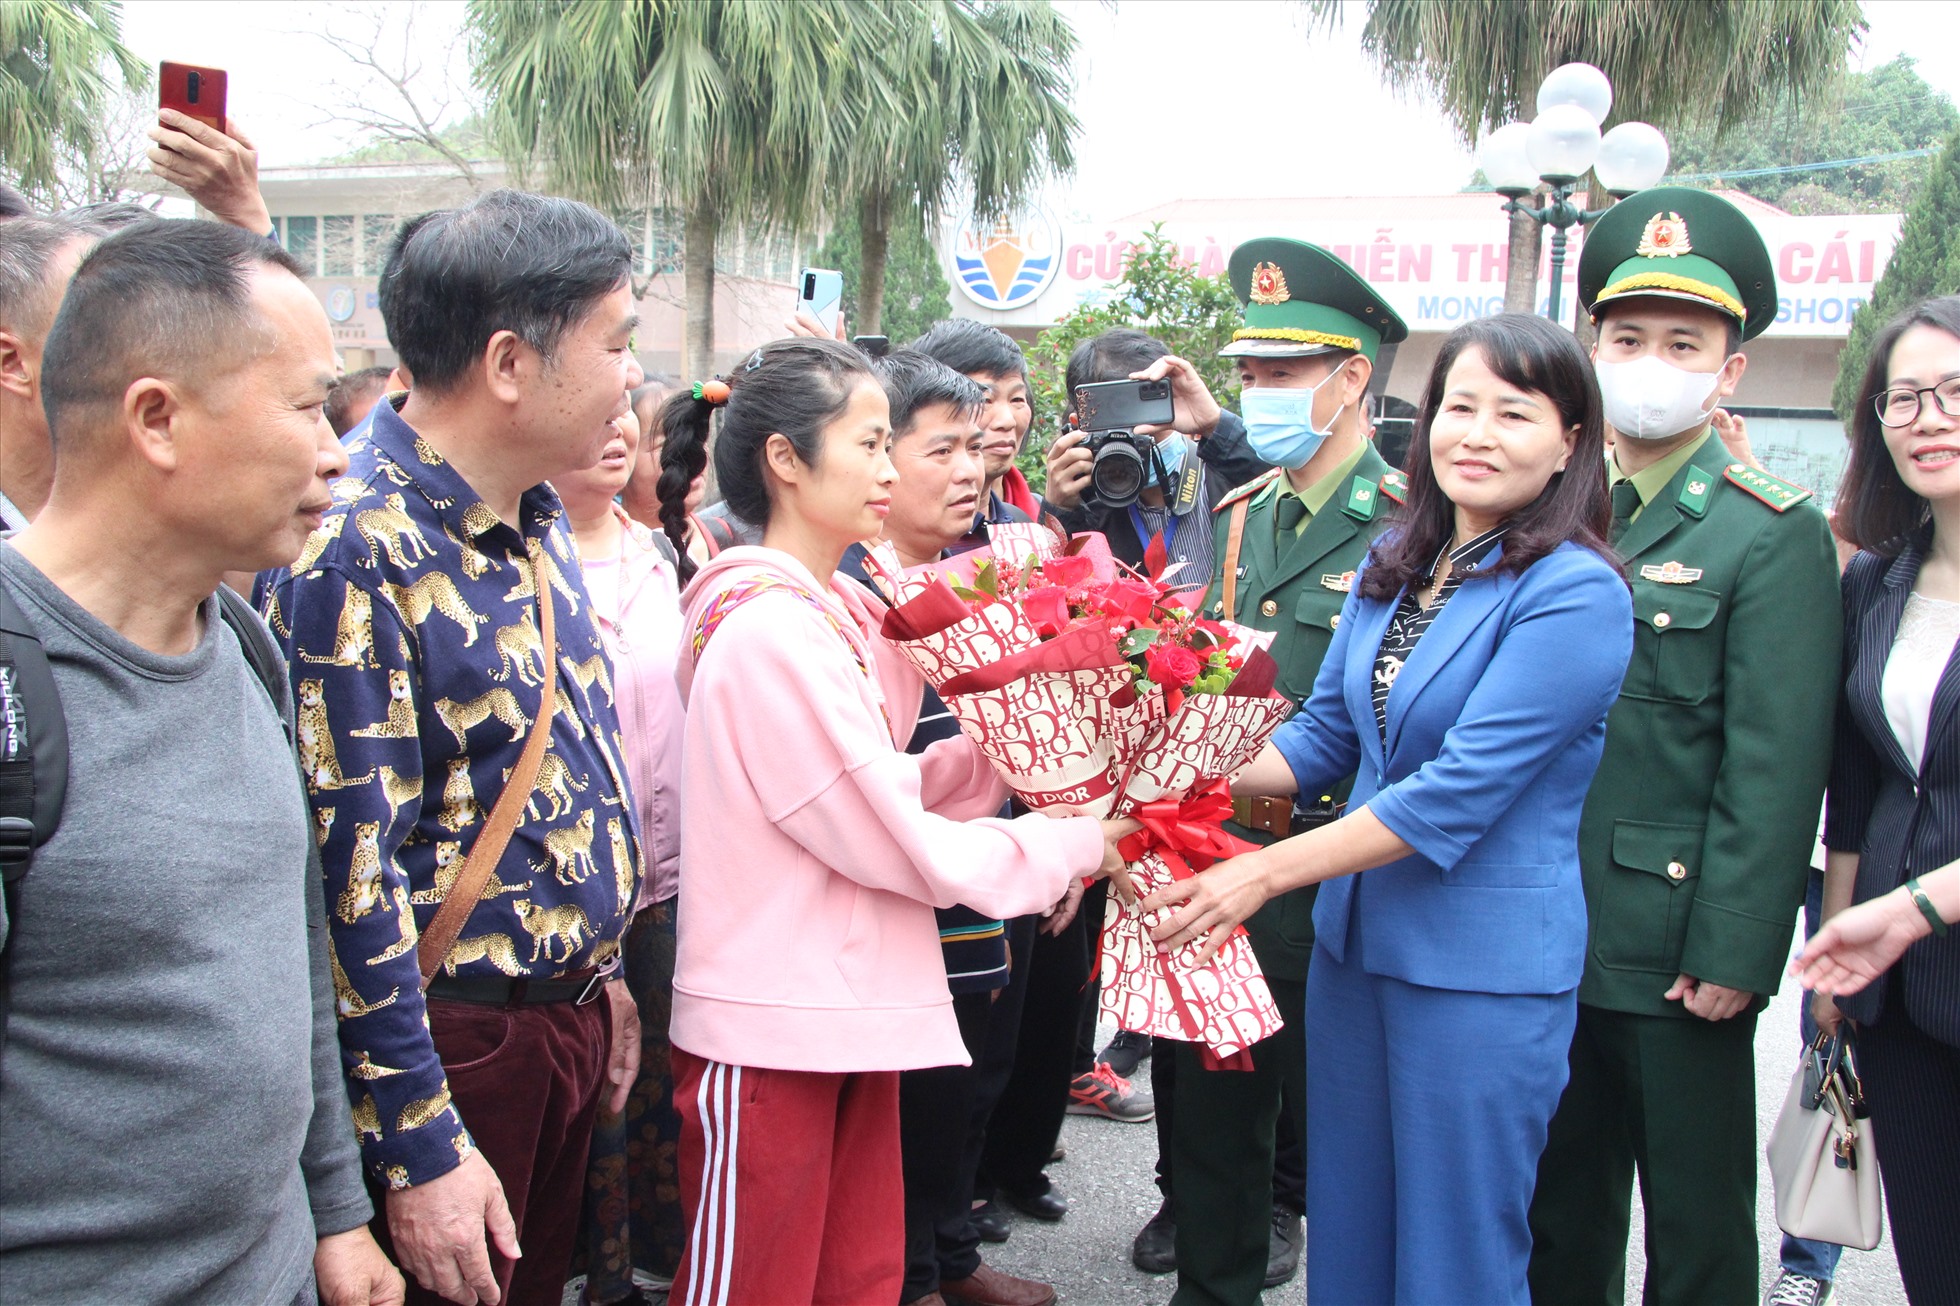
(1091, 685)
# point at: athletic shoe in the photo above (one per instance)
(1125, 1053)
(1793, 1289)
(1103, 1092)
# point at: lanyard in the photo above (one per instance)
(1186, 496)
(1145, 534)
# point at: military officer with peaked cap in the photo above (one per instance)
(1288, 545)
(1698, 829)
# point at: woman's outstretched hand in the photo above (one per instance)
(1859, 944)
(1214, 902)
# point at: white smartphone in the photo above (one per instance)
(820, 293)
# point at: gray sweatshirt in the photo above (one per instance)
(173, 1126)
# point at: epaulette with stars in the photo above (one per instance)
(1779, 494)
(1247, 490)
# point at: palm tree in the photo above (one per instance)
(981, 92)
(722, 109)
(1673, 63)
(55, 84)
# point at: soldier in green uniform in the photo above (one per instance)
(1287, 547)
(1699, 826)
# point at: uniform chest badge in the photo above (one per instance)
(1671, 573)
(1665, 236)
(1269, 285)
(1340, 584)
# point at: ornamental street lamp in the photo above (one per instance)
(1560, 146)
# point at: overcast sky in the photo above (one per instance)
(1178, 99)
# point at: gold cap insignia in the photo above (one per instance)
(1269, 285)
(1665, 236)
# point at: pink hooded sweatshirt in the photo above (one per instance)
(813, 850)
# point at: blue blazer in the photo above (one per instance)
(1495, 727)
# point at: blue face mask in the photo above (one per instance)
(1279, 423)
(1173, 449)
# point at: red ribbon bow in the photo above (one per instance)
(1189, 836)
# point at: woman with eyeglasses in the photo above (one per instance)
(1890, 963)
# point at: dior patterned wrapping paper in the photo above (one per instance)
(409, 623)
(1061, 729)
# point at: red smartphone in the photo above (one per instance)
(195, 92)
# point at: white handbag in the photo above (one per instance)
(1821, 1158)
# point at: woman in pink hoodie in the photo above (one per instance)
(813, 850)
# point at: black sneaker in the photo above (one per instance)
(1125, 1053)
(1155, 1248)
(1283, 1252)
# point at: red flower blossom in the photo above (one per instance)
(1047, 608)
(1068, 571)
(1171, 667)
(1130, 598)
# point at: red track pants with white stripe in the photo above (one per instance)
(791, 1184)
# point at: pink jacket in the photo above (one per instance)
(813, 851)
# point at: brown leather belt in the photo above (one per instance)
(1280, 818)
(1273, 816)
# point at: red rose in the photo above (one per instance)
(1047, 608)
(1171, 667)
(1130, 598)
(1068, 571)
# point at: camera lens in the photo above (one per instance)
(1116, 476)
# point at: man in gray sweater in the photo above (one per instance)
(173, 1126)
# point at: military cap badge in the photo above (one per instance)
(1269, 285)
(1665, 236)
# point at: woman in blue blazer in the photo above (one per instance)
(1466, 689)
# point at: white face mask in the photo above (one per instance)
(1651, 399)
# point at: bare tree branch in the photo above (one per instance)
(413, 106)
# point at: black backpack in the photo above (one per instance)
(34, 736)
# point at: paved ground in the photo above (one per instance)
(1107, 1178)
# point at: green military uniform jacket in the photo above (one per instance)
(1697, 833)
(1296, 588)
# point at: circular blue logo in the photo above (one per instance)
(1007, 263)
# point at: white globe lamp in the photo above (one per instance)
(1505, 157)
(1578, 84)
(1563, 141)
(1633, 156)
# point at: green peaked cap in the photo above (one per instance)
(1676, 242)
(1300, 299)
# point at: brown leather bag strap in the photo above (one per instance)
(488, 850)
(1234, 537)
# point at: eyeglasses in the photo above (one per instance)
(1901, 407)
